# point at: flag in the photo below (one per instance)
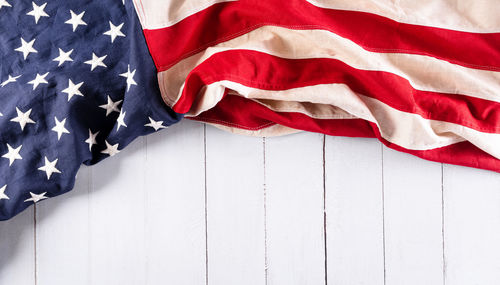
(77, 84)
(421, 76)
(79, 80)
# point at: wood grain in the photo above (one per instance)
(175, 206)
(117, 215)
(235, 209)
(294, 209)
(471, 226)
(63, 231)
(354, 211)
(195, 205)
(413, 220)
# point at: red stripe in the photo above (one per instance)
(238, 112)
(228, 20)
(264, 71)
(250, 115)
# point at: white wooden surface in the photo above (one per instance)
(195, 205)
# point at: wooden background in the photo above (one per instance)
(195, 205)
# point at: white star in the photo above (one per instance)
(36, 197)
(114, 31)
(40, 79)
(9, 80)
(63, 57)
(49, 167)
(110, 149)
(73, 89)
(130, 77)
(96, 61)
(120, 121)
(38, 11)
(76, 20)
(92, 139)
(111, 106)
(23, 118)
(59, 128)
(12, 154)
(4, 3)
(155, 124)
(26, 48)
(2, 193)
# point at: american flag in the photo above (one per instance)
(77, 85)
(81, 79)
(421, 76)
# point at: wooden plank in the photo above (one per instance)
(354, 211)
(294, 209)
(235, 208)
(116, 217)
(175, 205)
(62, 235)
(17, 249)
(471, 226)
(413, 219)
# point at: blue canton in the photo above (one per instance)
(77, 85)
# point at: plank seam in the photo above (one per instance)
(383, 211)
(206, 200)
(145, 205)
(35, 244)
(265, 212)
(90, 190)
(442, 223)
(324, 211)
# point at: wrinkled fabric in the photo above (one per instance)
(53, 102)
(421, 76)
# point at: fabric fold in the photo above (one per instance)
(77, 85)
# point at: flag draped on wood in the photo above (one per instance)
(79, 80)
(422, 76)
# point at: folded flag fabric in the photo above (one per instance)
(421, 76)
(81, 79)
(77, 85)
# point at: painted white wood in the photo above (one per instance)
(354, 211)
(62, 235)
(117, 215)
(294, 209)
(471, 226)
(139, 217)
(17, 249)
(413, 219)
(175, 206)
(235, 208)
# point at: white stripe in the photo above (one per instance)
(313, 110)
(407, 130)
(211, 95)
(271, 131)
(159, 14)
(423, 72)
(480, 16)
